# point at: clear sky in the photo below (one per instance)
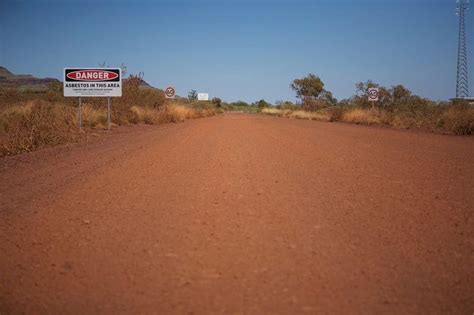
(244, 50)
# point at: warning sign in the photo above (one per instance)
(92, 82)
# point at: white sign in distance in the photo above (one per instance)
(170, 92)
(92, 82)
(203, 97)
(374, 94)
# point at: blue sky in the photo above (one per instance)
(242, 50)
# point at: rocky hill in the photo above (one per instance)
(24, 81)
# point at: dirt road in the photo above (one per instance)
(240, 214)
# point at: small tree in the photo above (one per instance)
(217, 102)
(309, 87)
(327, 97)
(262, 104)
(192, 95)
(310, 90)
(400, 93)
(123, 67)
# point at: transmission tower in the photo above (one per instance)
(462, 81)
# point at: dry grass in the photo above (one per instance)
(35, 124)
(275, 112)
(180, 113)
(455, 119)
(319, 116)
(94, 117)
(459, 120)
(30, 120)
(299, 114)
(169, 113)
(362, 116)
(30, 125)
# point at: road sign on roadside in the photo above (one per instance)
(92, 82)
(374, 94)
(170, 92)
(203, 97)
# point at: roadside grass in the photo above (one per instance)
(168, 113)
(319, 116)
(459, 120)
(35, 124)
(30, 120)
(362, 116)
(275, 112)
(454, 119)
(298, 114)
(28, 125)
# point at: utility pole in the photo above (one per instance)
(462, 80)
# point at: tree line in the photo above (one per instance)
(312, 96)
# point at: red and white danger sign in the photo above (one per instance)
(92, 82)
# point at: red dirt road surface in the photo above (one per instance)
(240, 214)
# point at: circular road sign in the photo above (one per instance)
(373, 94)
(170, 92)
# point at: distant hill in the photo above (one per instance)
(24, 81)
(29, 82)
(143, 84)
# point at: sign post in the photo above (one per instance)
(108, 113)
(374, 95)
(93, 82)
(80, 113)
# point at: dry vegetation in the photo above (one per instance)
(397, 107)
(455, 119)
(298, 114)
(29, 120)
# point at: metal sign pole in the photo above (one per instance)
(80, 112)
(108, 113)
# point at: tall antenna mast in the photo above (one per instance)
(462, 81)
